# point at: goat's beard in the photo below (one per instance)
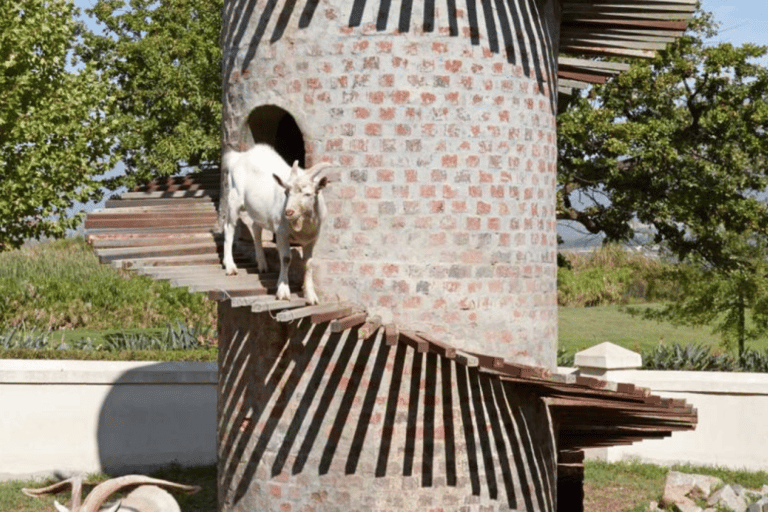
(298, 223)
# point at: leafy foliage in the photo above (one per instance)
(703, 358)
(611, 275)
(678, 144)
(54, 123)
(163, 61)
(61, 285)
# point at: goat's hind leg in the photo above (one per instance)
(258, 248)
(229, 236)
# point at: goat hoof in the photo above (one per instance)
(311, 298)
(232, 272)
(283, 292)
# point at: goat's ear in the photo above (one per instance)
(279, 181)
(321, 183)
(59, 507)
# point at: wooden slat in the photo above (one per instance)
(606, 51)
(391, 334)
(438, 346)
(609, 67)
(319, 318)
(466, 359)
(287, 316)
(370, 326)
(348, 322)
(582, 77)
(414, 341)
(612, 42)
(277, 305)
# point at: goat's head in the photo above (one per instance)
(301, 191)
(101, 492)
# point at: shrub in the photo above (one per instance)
(611, 275)
(61, 285)
(703, 358)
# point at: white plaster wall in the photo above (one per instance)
(732, 430)
(74, 416)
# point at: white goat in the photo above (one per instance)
(149, 496)
(285, 200)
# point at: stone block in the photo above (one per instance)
(760, 505)
(607, 356)
(728, 498)
(689, 486)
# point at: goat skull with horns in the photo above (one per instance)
(149, 496)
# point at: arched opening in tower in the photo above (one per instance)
(275, 126)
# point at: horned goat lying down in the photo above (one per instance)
(149, 496)
(285, 200)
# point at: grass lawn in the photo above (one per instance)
(581, 328)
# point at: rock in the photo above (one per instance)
(728, 499)
(687, 508)
(653, 507)
(764, 490)
(760, 505)
(675, 497)
(684, 488)
(689, 481)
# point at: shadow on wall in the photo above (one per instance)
(157, 415)
(300, 400)
(515, 27)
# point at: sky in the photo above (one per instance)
(741, 21)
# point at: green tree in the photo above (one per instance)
(163, 59)
(731, 297)
(680, 144)
(54, 122)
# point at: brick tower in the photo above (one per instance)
(441, 123)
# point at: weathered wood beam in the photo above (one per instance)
(348, 322)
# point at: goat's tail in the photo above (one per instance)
(229, 159)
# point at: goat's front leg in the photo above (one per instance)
(284, 252)
(309, 283)
(258, 248)
(229, 236)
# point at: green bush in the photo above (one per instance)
(703, 358)
(611, 275)
(61, 285)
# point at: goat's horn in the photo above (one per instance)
(315, 169)
(77, 486)
(104, 490)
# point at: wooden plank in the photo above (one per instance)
(414, 341)
(602, 33)
(319, 318)
(582, 77)
(438, 347)
(466, 359)
(608, 51)
(348, 322)
(277, 305)
(611, 67)
(288, 316)
(573, 84)
(169, 195)
(612, 42)
(639, 24)
(391, 335)
(370, 326)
